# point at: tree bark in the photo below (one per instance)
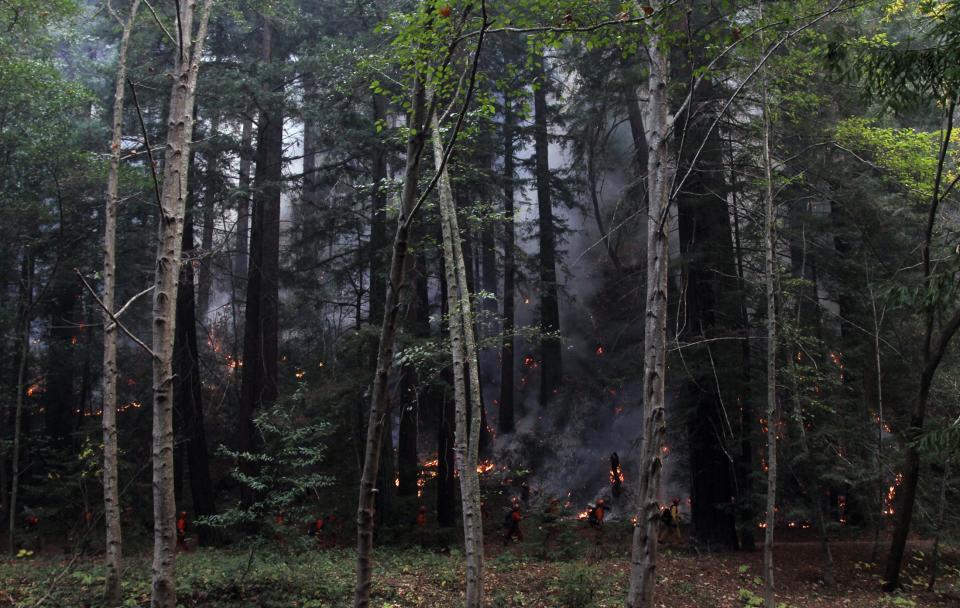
(506, 413)
(379, 403)
(24, 318)
(932, 355)
(188, 389)
(770, 283)
(111, 494)
(243, 202)
(172, 203)
(660, 172)
(210, 190)
(550, 347)
(466, 377)
(258, 390)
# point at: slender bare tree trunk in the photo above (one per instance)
(660, 171)
(26, 311)
(941, 511)
(379, 403)
(932, 353)
(464, 350)
(169, 253)
(506, 414)
(770, 286)
(111, 494)
(877, 321)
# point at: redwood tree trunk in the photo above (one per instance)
(258, 389)
(550, 348)
(506, 413)
(210, 191)
(188, 389)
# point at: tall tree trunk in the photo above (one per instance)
(932, 355)
(506, 414)
(408, 460)
(379, 402)
(258, 389)
(111, 494)
(241, 260)
(23, 322)
(770, 285)
(660, 172)
(172, 203)
(550, 347)
(465, 377)
(210, 191)
(188, 389)
(745, 471)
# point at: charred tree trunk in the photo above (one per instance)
(446, 483)
(258, 389)
(660, 172)
(408, 461)
(111, 493)
(506, 413)
(188, 389)
(550, 348)
(172, 202)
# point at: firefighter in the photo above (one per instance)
(670, 521)
(512, 524)
(182, 530)
(596, 514)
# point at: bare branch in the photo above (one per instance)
(113, 317)
(129, 302)
(146, 144)
(156, 18)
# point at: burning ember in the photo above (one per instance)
(529, 361)
(599, 351)
(300, 374)
(485, 466)
(888, 508)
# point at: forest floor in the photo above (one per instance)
(572, 568)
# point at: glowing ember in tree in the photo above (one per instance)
(888, 508)
(485, 466)
(300, 374)
(599, 351)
